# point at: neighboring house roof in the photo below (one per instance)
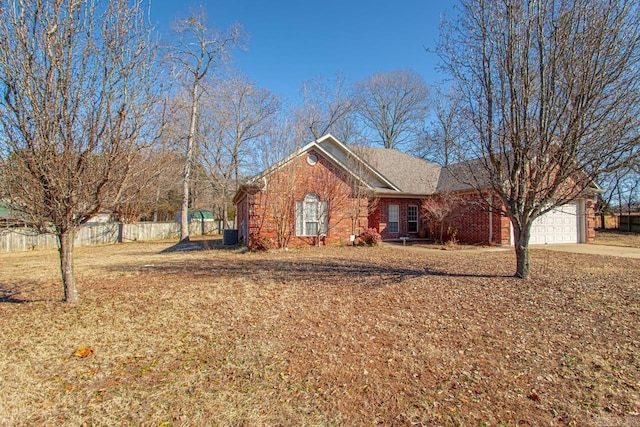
(196, 214)
(5, 211)
(201, 214)
(9, 216)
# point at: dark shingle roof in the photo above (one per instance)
(410, 174)
(463, 176)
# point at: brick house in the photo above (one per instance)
(327, 193)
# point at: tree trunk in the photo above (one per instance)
(184, 214)
(522, 252)
(66, 240)
(156, 205)
(225, 213)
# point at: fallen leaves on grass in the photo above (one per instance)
(325, 336)
(83, 352)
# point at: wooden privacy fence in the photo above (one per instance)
(607, 221)
(24, 239)
(629, 223)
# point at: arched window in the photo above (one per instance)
(311, 216)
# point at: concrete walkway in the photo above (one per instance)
(589, 248)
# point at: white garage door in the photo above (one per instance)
(561, 225)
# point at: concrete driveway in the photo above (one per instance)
(589, 248)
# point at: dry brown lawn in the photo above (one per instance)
(617, 238)
(320, 336)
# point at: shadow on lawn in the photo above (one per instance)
(430, 272)
(324, 272)
(21, 292)
(9, 294)
(198, 245)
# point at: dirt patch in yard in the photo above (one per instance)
(349, 336)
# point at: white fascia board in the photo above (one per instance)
(290, 157)
(400, 195)
(350, 152)
(316, 145)
(332, 158)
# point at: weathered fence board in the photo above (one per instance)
(24, 239)
(629, 223)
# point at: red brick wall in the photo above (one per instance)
(274, 207)
(505, 232)
(469, 220)
(471, 223)
(379, 218)
(242, 218)
(590, 219)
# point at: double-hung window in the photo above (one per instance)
(392, 223)
(412, 219)
(311, 216)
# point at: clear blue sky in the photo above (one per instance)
(293, 41)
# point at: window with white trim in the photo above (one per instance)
(392, 221)
(412, 219)
(311, 216)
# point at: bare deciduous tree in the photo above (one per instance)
(439, 211)
(622, 192)
(331, 187)
(197, 49)
(328, 107)
(445, 132)
(393, 106)
(280, 201)
(236, 114)
(151, 181)
(77, 84)
(276, 195)
(552, 89)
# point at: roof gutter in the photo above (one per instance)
(401, 195)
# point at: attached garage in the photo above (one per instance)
(561, 225)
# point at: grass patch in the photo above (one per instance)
(319, 336)
(617, 238)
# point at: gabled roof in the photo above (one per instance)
(336, 152)
(386, 172)
(410, 174)
(463, 176)
(473, 174)
(352, 162)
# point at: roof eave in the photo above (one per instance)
(400, 194)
